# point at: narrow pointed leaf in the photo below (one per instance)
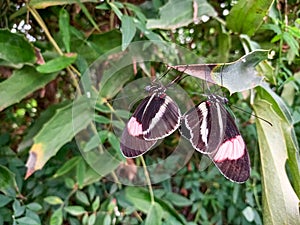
(235, 76)
(57, 64)
(64, 28)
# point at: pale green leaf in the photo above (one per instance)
(280, 202)
(75, 210)
(53, 200)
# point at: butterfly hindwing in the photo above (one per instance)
(232, 157)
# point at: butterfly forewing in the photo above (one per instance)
(156, 117)
(203, 127)
(212, 130)
(165, 120)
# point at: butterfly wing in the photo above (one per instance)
(203, 127)
(161, 118)
(232, 158)
(155, 118)
(132, 142)
(212, 130)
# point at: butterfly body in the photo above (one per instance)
(212, 130)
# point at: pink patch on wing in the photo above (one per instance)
(134, 127)
(231, 149)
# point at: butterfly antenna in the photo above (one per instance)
(258, 117)
(179, 78)
(165, 73)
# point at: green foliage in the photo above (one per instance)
(43, 111)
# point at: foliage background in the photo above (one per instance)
(69, 35)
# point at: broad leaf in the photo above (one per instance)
(235, 76)
(246, 16)
(15, 49)
(177, 13)
(22, 83)
(280, 202)
(59, 130)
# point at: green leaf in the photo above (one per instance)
(59, 130)
(57, 217)
(177, 13)
(252, 13)
(140, 198)
(75, 210)
(26, 221)
(155, 214)
(64, 28)
(20, 84)
(128, 31)
(16, 49)
(18, 208)
(178, 200)
(34, 206)
(41, 4)
(92, 219)
(80, 173)
(82, 197)
(4, 200)
(277, 143)
(96, 204)
(116, 10)
(53, 200)
(248, 213)
(57, 64)
(87, 14)
(67, 167)
(236, 76)
(7, 181)
(102, 119)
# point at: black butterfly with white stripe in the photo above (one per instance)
(212, 130)
(156, 117)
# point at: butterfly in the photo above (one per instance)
(211, 130)
(156, 117)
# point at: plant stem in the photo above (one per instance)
(148, 180)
